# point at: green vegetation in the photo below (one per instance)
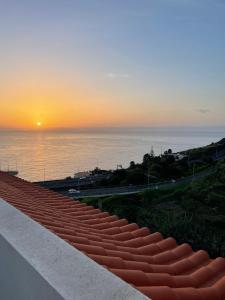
(164, 167)
(207, 153)
(192, 213)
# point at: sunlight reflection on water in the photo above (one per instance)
(61, 153)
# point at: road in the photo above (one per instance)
(126, 190)
(65, 184)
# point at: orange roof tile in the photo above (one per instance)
(158, 267)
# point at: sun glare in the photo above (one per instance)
(39, 124)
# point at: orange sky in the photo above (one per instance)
(112, 63)
(37, 96)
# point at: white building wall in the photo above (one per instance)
(35, 264)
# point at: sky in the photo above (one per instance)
(102, 63)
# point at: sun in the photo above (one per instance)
(38, 124)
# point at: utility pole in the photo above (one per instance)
(193, 175)
(148, 176)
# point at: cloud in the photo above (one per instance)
(203, 111)
(117, 75)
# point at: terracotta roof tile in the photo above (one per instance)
(158, 267)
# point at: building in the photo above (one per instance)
(52, 247)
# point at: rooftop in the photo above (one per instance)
(157, 267)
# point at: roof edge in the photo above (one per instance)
(45, 263)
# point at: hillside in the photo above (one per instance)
(168, 166)
(193, 213)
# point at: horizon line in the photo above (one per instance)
(43, 129)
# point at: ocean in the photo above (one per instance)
(44, 155)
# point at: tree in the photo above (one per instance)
(132, 165)
(96, 171)
(135, 176)
(146, 159)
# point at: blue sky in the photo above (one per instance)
(148, 62)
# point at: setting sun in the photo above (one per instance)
(39, 124)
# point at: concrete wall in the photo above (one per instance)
(35, 264)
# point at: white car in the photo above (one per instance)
(73, 191)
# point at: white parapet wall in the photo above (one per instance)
(35, 264)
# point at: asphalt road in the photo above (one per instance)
(126, 190)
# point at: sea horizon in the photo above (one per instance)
(53, 154)
(116, 128)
